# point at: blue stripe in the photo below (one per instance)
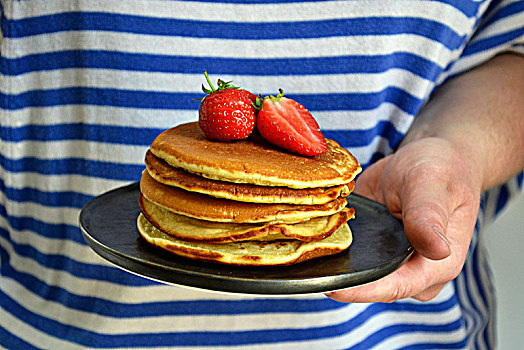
(165, 100)
(80, 131)
(87, 338)
(150, 309)
(52, 231)
(360, 138)
(503, 12)
(376, 156)
(360, 101)
(145, 136)
(99, 97)
(476, 272)
(472, 317)
(502, 199)
(469, 8)
(63, 263)
(9, 341)
(493, 41)
(461, 344)
(99, 21)
(489, 289)
(74, 166)
(129, 135)
(218, 65)
(48, 198)
(125, 310)
(387, 332)
(480, 284)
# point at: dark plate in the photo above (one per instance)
(379, 247)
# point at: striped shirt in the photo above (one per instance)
(85, 87)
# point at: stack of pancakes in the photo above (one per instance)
(244, 202)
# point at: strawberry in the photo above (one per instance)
(252, 97)
(288, 124)
(226, 113)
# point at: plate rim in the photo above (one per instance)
(237, 284)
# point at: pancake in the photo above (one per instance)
(195, 230)
(253, 161)
(272, 253)
(162, 172)
(204, 207)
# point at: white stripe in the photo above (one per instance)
(364, 120)
(247, 12)
(480, 57)
(386, 319)
(501, 26)
(486, 284)
(405, 340)
(77, 183)
(30, 334)
(97, 115)
(490, 205)
(50, 215)
(209, 47)
(468, 62)
(363, 154)
(160, 82)
(51, 150)
(157, 324)
(461, 64)
(95, 288)
(119, 154)
(99, 289)
(164, 119)
(470, 312)
(79, 252)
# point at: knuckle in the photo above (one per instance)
(401, 291)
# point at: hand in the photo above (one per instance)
(434, 189)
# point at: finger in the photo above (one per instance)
(429, 293)
(368, 184)
(426, 206)
(409, 280)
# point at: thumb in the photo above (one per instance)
(427, 204)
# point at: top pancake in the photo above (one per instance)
(171, 176)
(253, 161)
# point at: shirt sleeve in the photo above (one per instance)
(499, 30)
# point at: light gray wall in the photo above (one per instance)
(505, 241)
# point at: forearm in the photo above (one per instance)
(482, 114)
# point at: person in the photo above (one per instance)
(426, 94)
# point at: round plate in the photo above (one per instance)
(379, 247)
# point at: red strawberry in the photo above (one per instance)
(251, 96)
(226, 113)
(288, 124)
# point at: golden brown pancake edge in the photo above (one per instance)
(195, 230)
(223, 210)
(248, 253)
(253, 160)
(166, 174)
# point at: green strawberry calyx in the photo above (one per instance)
(274, 99)
(222, 85)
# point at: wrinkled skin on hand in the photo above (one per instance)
(433, 188)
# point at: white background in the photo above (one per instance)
(505, 241)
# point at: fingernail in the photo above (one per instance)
(440, 233)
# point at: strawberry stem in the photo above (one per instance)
(210, 84)
(277, 98)
(259, 102)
